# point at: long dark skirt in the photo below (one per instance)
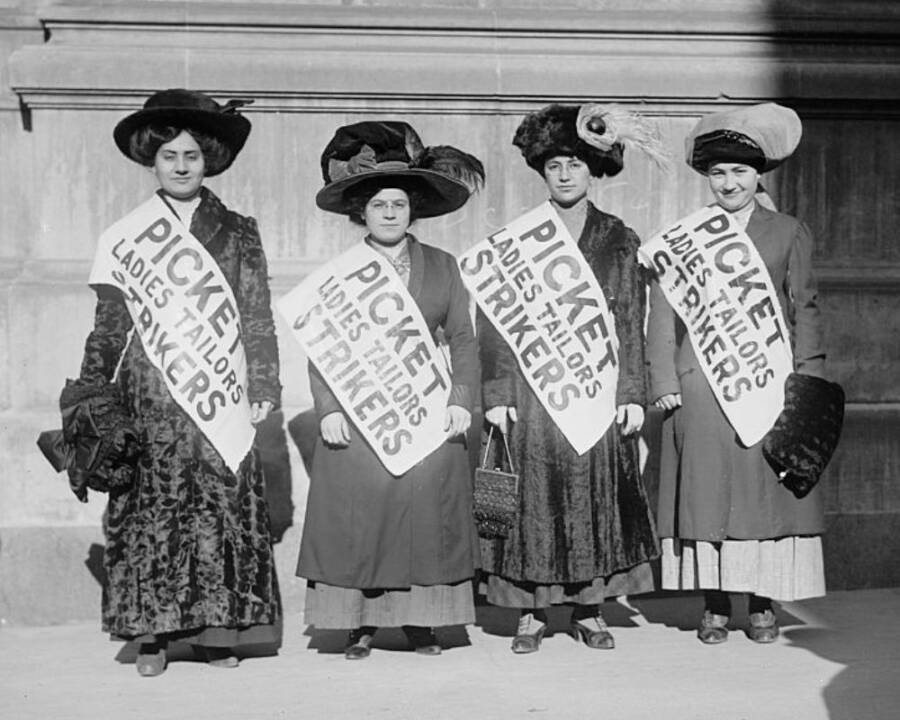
(188, 549)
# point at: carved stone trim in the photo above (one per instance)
(302, 58)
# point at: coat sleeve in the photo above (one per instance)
(661, 345)
(499, 369)
(257, 325)
(460, 337)
(803, 307)
(628, 311)
(324, 401)
(106, 341)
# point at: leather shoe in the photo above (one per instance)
(220, 657)
(358, 643)
(151, 660)
(593, 632)
(528, 635)
(422, 639)
(713, 628)
(763, 627)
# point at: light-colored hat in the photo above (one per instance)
(759, 135)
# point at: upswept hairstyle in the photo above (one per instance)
(146, 141)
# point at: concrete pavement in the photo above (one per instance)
(838, 659)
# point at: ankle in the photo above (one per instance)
(717, 602)
(758, 604)
(530, 623)
(539, 614)
(152, 648)
(586, 612)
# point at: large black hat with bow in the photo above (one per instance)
(187, 109)
(385, 153)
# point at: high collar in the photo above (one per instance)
(207, 220)
(574, 217)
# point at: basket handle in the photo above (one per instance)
(487, 449)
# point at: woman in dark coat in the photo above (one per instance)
(377, 549)
(584, 531)
(188, 552)
(726, 522)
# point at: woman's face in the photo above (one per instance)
(568, 178)
(733, 184)
(179, 167)
(387, 215)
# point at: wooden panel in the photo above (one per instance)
(844, 181)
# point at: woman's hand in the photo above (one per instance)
(668, 402)
(259, 411)
(630, 417)
(335, 429)
(501, 416)
(456, 420)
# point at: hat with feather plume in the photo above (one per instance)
(596, 133)
(381, 154)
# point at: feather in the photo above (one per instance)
(414, 146)
(453, 163)
(232, 106)
(602, 126)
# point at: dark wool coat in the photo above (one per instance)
(711, 486)
(366, 528)
(581, 517)
(188, 546)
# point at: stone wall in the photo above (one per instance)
(462, 72)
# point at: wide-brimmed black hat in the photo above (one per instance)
(806, 433)
(762, 136)
(390, 153)
(178, 107)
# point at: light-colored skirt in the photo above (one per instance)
(331, 607)
(510, 593)
(788, 568)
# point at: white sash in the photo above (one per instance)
(186, 316)
(714, 278)
(366, 336)
(534, 285)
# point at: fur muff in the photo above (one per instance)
(806, 433)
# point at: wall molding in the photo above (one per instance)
(307, 58)
(800, 18)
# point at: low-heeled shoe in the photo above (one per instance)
(598, 638)
(422, 639)
(151, 660)
(358, 643)
(528, 635)
(713, 628)
(219, 657)
(763, 627)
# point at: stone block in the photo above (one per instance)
(862, 550)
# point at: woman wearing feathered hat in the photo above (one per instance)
(584, 531)
(183, 297)
(726, 523)
(380, 550)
